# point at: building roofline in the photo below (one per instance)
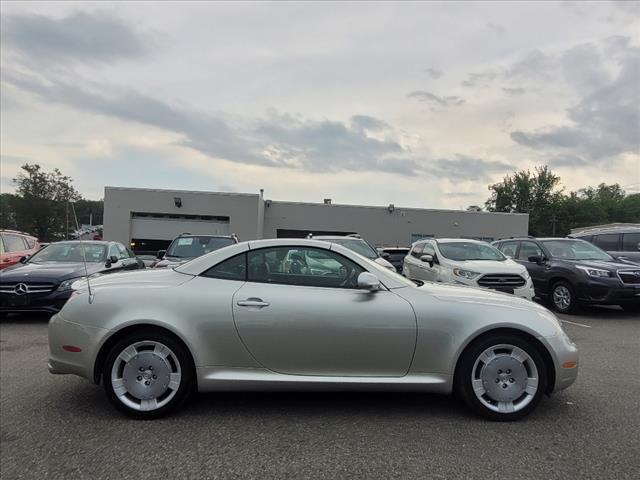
(167, 190)
(385, 207)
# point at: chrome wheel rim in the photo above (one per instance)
(504, 378)
(146, 375)
(561, 297)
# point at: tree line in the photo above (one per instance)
(41, 204)
(552, 212)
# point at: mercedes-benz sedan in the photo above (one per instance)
(250, 316)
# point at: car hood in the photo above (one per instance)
(165, 277)
(473, 295)
(491, 266)
(48, 272)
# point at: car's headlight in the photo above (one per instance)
(525, 274)
(468, 274)
(66, 285)
(594, 272)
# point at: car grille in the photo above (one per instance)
(31, 287)
(501, 281)
(629, 276)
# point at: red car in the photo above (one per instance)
(15, 245)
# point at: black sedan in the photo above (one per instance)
(43, 281)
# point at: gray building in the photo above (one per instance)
(151, 218)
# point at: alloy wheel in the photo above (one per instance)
(504, 378)
(562, 298)
(146, 375)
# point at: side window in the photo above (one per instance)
(509, 248)
(14, 243)
(31, 242)
(113, 252)
(417, 250)
(122, 252)
(1, 244)
(314, 267)
(608, 241)
(234, 268)
(528, 249)
(631, 242)
(429, 249)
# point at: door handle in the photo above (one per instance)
(252, 302)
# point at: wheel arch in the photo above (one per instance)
(538, 345)
(98, 365)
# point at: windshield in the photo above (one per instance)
(461, 251)
(192, 247)
(357, 245)
(575, 250)
(70, 253)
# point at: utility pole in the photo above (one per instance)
(554, 220)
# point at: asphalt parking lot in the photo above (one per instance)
(63, 426)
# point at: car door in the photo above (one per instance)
(537, 271)
(412, 263)
(300, 321)
(631, 246)
(609, 242)
(431, 272)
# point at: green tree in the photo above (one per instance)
(41, 203)
(537, 194)
(551, 212)
(7, 211)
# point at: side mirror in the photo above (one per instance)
(24, 259)
(427, 259)
(368, 281)
(161, 253)
(536, 259)
(385, 255)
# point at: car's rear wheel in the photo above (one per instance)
(502, 377)
(148, 374)
(563, 298)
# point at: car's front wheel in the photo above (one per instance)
(563, 298)
(148, 374)
(502, 377)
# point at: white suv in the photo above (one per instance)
(467, 262)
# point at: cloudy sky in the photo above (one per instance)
(416, 104)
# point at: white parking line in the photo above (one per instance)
(575, 323)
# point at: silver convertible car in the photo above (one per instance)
(294, 314)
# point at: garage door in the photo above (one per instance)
(166, 227)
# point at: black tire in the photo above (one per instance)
(465, 370)
(559, 307)
(179, 353)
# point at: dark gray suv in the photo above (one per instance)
(620, 242)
